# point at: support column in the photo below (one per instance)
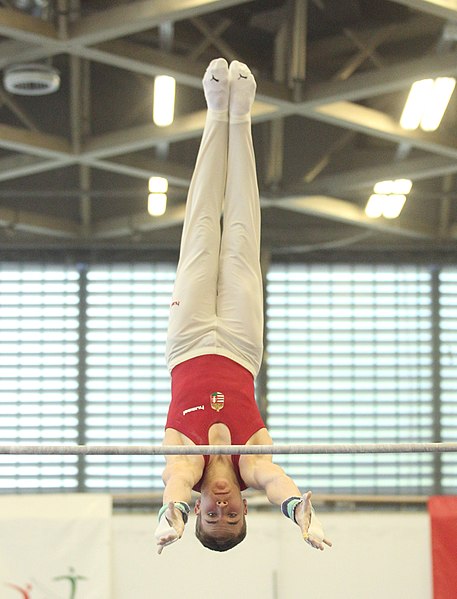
(298, 58)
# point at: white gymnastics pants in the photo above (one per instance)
(217, 304)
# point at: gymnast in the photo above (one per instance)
(215, 336)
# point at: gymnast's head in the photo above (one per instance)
(221, 515)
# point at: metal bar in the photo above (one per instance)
(141, 15)
(337, 448)
(298, 58)
(365, 52)
(82, 375)
(368, 121)
(436, 378)
(258, 500)
(342, 211)
(25, 28)
(213, 37)
(275, 150)
(39, 223)
(445, 9)
(32, 142)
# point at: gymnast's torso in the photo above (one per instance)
(213, 403)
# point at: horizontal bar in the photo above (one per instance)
(257, 499)
(227, 449)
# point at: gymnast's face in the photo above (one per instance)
(221, 508)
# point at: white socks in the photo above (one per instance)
(216, 86)
(242, 92)
(229, 91)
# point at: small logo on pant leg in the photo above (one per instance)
(217, 401)
(175, 303)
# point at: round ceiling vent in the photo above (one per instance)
(31, 79)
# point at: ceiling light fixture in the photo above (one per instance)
(157, 204)
(157, 199)
(388, 198)
(34, 79)
(427, 102)
(164, 100)
(158, 185)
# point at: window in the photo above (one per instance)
(127, 382)
(349, 361)
(352, 356)
(39, 355)
(448, 337)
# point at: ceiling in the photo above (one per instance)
(333, 77)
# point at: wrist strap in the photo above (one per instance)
(288, 507)
(182, 506)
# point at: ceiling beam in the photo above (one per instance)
(324, 49)
(416, 169)
(372, 122)
(325, 207)
(445, 9)
(40, 224)
(141, 15)
(137, 58)
(22, 27)
(22, 165)
(15, 52)
(141, 167)
(33, 142)
(147, 61)
(390, 79)
(189, 126)
(349, 213)
(142, 137)
(125, 226)
(357, 87)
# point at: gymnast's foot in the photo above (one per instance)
(242, 91)
(216, 85)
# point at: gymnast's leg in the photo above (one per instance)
(240, 292)
(192, 320)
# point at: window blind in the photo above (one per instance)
(127, 382)
(349, 360)
(448, 337)
(39, 323)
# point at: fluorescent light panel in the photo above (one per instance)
(164, 100)
(439, 100)
(157, 204)
(158, 185)
(427, 102)
(402, 186)
(393, 205)
(374, 206)
(388, 198)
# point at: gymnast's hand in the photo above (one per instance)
(170, 528)
(311, 528)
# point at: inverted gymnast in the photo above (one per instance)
(215, 336)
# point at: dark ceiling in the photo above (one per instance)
(333, 76)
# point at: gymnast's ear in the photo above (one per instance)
(197, 506)
(245, 503)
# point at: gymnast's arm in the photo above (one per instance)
(259, 472)
(180, 475)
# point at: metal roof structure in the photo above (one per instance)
(333, 77)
